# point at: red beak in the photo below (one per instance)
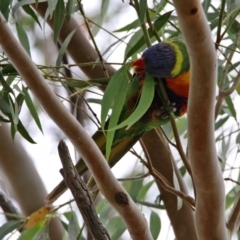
(139, 63)
(139, 66)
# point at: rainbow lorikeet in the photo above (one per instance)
(165, 61)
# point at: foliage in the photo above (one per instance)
(156, 20)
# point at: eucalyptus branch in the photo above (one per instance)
(148, 204)
(179, 147)
(134, 178)
(81, 194)
(152, 26)
(112, 190)
(143, 25)
(207, 175)
(165, 184)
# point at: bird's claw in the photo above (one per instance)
(165, 110)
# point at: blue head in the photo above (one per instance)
(158, 60)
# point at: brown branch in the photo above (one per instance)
(210, 203)
(182, 220)
(111, 189)
(8, 207)
(179, 145)
(81, 194)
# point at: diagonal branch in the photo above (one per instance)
(113, 191)
(81, 194)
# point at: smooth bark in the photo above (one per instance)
(210, 202)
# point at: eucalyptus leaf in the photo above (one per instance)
(145, 101)
(155, 225)
(59, 16)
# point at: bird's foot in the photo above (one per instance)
(165, 110)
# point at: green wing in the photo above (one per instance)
(123, 139)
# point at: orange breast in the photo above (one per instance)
(179, 85)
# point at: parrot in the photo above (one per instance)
(165, 61)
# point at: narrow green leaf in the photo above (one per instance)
(143, 105)
(31, 13)
(23, 38)
(73, 227)
(143, 190)
(9, 69)
(51, 7)
(158, 24)
(134, 45)
(117, 81)
(20, 99)
(238, 139)
(22, 3)
(101, 204)
(21, 129)
(100, 18)
(13, 110)
(155, 225)
(231, 196)
(43, 234)
(87, 83)
(143, 9)
(32, 232)
(94, 100)
(4, 106)
(8, 227)
(64, 47)
(135, 188)
(231, 107)
(220, 122)
(117, 107)
(5, 85)
(68, 215)
(58, 18)
(2, 119)
(13, 130)
(105, 211)
(31, 108)
(104, 8)
(116, 227)
(10, 80)
(128, 27)
(206, 4)
(5, 8)
(69, 9)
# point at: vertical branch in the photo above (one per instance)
(210, 204)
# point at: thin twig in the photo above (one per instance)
(92, 38)
(152, 26)
(166, 185)
(219, 37)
